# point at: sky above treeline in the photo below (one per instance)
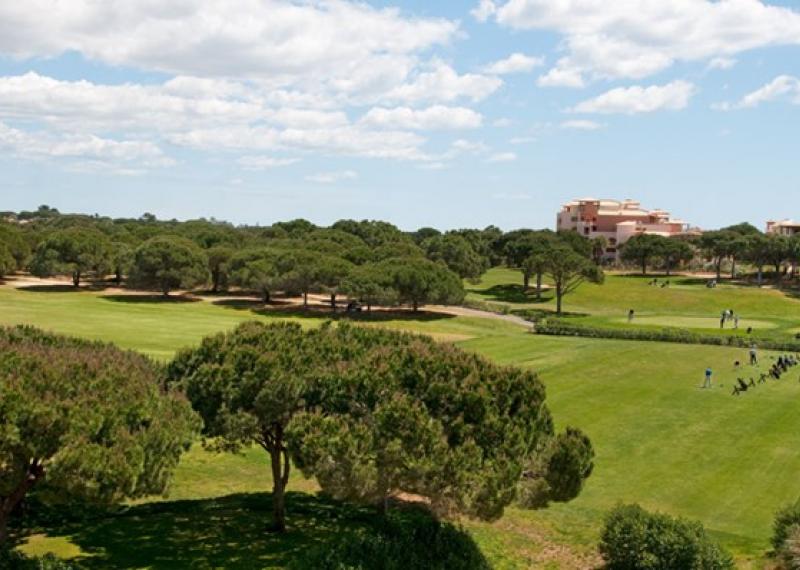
(445, 114)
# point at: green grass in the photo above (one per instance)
(730, 462)
(687, 303)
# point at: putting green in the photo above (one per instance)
(696, 322)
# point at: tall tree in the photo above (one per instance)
(523, 245)
(84, 421)
(168, 263)
(675, 252)
(218, 258)
(716, 245)
(7, 262)
(421, 281)
(371, 285)
(256, 269)
(641, 249)
(568, 269)
(73, 251)
(457, 253)
(757, 253)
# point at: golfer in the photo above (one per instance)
(707, 383)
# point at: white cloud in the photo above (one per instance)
(264, 162)
(581, 125)
(721, 63)
(332, 177)
(515, 63)
(435, 117)
(502, 157)
(522, 140)
(442, 83)
(637, 38)
(782, 87)
(484, 10)
(637, 99)
(557, 77)
(84, 151)
(279, 40)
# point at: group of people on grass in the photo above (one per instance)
(781, 365)
(656, 283)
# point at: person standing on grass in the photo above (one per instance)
(736, 322)
(709, 374)
(753, 355)
(630, 316)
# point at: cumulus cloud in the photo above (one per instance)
(484, 10)
(722, 63)
(332, 177)
(782, 87)
(442, 83)
(84, 151)
(637, 38)
(515, 63)
(279, 40)
(637, 99)
(435, 117)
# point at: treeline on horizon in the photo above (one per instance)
(371, 261)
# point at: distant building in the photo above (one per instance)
(783, 228)
(617, 221)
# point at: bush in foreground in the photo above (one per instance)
(786, 535)
(403, 541)
(634, 539)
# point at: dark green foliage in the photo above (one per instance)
(558, 472)
(371, 285)
(219, 258)
(168, 263)
(7, 262)
(371, 413)
(641, 249)
(634, 539)
(74, 251)
(256, 270)
(84, 421)
(457, 253)
(786, 519)
(404, 541)
(418, 281)
(14, 242)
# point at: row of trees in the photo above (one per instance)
(736, 245)
(369, 413)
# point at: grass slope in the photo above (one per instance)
(660, 440)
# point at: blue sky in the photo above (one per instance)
(449, 114)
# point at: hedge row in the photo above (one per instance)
(557, 327)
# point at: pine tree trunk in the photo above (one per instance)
(733, 268)
(559, 296)
(644, 266)
(415, 305)
(526, 281)
(760, 275)
(305, 300)
(719, 269)
(76, 278)
(280, 478)
(8, 504)
(333, 302)
(266, 296)
(539, 286)
(215, 281)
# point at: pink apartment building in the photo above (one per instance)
(784, 228)
(616, 221)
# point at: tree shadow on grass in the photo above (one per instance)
(285, 309)
(513, 293)
(150, 299)
(226, 532)
(65, 288)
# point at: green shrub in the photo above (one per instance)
(402, 541)
(786, 518)
(556, 327)
(634, 539)
(790, 551)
